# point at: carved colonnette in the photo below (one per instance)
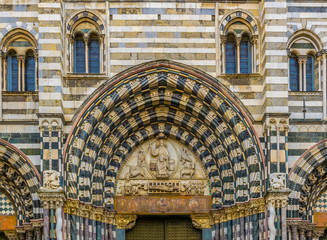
(234, 220)
(88, 221)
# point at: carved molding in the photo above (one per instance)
(255, 206)
(124, 221)
(201, 221)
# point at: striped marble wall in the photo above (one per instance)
(137, 32)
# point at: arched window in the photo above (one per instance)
(94, 54)
(12, 71)
(79, 54)
(86, 32)
(20, 51)
(245, 55)
(30, 71)
(240, 55)
(310, 76)
(230, 59)
(294, 73)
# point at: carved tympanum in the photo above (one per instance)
(162, 166)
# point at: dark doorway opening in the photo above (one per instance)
(163, 228)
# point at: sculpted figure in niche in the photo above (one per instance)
(137, 170)
(188, 166)
(162, 158)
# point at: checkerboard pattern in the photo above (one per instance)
(192, 108)
(321, 203)
(6, 207)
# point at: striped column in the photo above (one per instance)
(50, 79)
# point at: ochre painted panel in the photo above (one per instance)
(163, 204)
(320, 218)
(7, 223)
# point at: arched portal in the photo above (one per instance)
(19, 182)
(307, 180)
(150, 102)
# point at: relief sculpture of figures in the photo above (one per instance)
(161, 153)
(188, 166)
(51, 179)
(137, 170)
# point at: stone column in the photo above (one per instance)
(36, 58)
(254, 43)
(304, 75)
(223, 51)
(71, 53)
(4, 67)
(37, 226)
(52, 197)
(300, 74)
(101, 43)
(238, 43)
(21, 61)
(277, 197)
(123, 223)
(319, 73)
(86, 40)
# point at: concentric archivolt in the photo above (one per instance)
(177, 102)
(20, 180)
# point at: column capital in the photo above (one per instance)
(223, 39)
(52, 198)
(201, 221)
(125, 221)
(21, 57)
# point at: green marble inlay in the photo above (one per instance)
(303, 45)
(20, 44)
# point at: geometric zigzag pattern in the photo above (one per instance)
(182, 105)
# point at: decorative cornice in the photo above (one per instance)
(254, 206)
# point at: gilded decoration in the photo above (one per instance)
(254, 206)
(201, 221)
(87, 210)
(125, 221)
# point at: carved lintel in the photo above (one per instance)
(125, 221)
(201, 221)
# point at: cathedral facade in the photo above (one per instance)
(163, 119)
